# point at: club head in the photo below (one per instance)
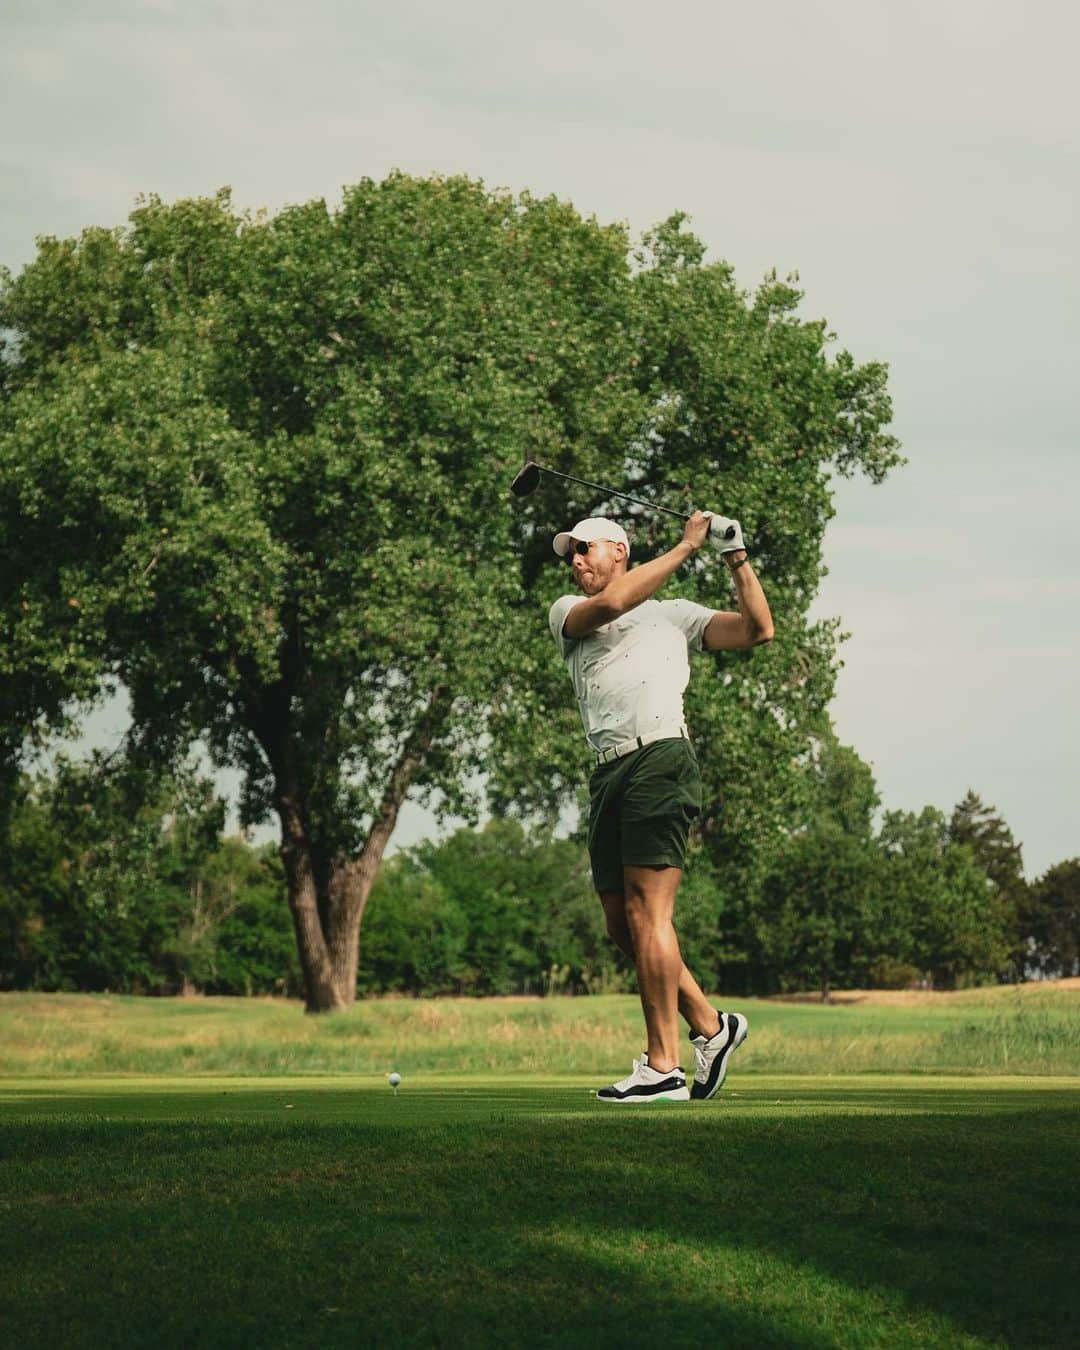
(527, 481)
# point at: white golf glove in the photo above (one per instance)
(719, 527)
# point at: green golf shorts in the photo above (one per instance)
(641, 809)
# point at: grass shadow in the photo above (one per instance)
(862, 1219)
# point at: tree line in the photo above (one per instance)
(122, 880)
(254, 470)
(116, 878)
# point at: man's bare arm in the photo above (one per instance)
(752, 625)
(631, 589)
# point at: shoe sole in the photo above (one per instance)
(677, 1095)
(740, 1036)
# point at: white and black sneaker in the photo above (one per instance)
(712, 1054)
(647, 1084)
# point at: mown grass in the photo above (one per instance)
(221, 1172)
(860, 1211)
(1028, 1029)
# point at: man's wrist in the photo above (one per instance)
(736, 558)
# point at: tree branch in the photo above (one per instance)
(353, 884)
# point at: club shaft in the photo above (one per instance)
(611, 492)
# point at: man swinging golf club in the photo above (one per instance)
(627, 654)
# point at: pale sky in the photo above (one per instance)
(916, 163)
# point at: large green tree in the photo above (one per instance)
(815, 920)
(260, 466)
(946, 918)
(984, 831)
(1049, 922)
(815, 907)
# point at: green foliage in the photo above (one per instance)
(487, 912)
(983, 830)
(844, 903)
(234, 935)
(749, 414)
(117, 878)
(415, 935)
(810, 921)
(840, 787)
(85, 905)
(1049, 922)
(815, 908)
(942, 911)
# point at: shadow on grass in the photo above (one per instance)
(684, 1227)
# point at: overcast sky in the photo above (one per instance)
(916, 163)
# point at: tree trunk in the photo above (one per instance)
(320, 988)
(352, 880)
(330, 949)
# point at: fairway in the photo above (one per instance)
(508, 1210)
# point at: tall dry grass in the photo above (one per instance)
(1023, 1030)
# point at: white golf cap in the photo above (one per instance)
(596, 527)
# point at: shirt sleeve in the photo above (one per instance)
(690, 618)
(557, 617)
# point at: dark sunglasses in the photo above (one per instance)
(577, 546)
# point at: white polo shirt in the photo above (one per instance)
(630, 674)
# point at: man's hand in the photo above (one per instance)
(697, 529)
(718, 534)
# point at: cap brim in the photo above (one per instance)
(561, 543)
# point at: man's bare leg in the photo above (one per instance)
(699, 1013)
(650, 907)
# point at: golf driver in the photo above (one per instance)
(528, 480)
